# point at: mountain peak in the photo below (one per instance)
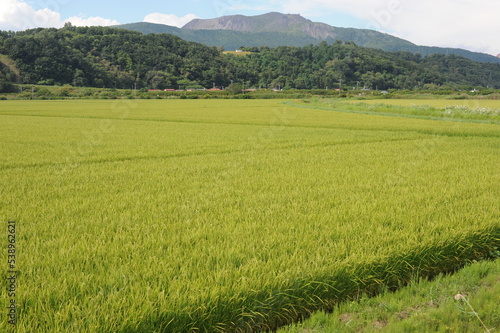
(270, 22)
(281, 16)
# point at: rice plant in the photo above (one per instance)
(179, 216)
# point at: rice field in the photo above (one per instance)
(231, 215)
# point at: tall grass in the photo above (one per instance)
(232, 215)
(425, 305)
(481, 111)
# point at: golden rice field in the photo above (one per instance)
(231, 215)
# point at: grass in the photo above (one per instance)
(173, 216)
(464, 302)
(485, 111)
(437, 103)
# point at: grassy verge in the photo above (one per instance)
(467, 301)
(487, 111)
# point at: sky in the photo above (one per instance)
(467, 24)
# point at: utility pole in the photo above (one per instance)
(340, 86)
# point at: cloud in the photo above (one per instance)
(18, 15)
(82, 21)
(463, 24)
(169, 19)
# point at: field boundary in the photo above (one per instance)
(278, 307)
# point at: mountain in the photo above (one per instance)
(227, 39)
(275, 22)
(119, 58)
(276, 29)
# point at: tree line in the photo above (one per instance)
(117, 58)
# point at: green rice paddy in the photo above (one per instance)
(232, 215)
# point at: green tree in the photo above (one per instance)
(235, 88)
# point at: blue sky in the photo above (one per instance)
(467, 24)
(129, 11)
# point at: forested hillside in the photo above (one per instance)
(116, 58)
(105, 57)
(326, 65)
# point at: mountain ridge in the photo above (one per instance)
(273, 21)
(270, 22)
(277, 29)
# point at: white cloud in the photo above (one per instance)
(82, 21)
(464, 24)
(18, 15)
(169, 19)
